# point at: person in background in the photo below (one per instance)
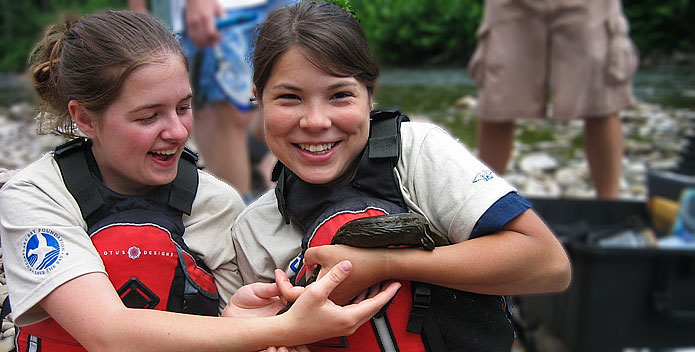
(339, 161)
(556, 59)
(109, 239)
(216, 35)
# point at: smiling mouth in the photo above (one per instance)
(163, 155)
(317, 148)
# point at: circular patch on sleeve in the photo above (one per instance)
(43, 250)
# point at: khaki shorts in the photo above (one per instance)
(563, 59)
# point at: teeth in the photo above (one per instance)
(314, 148)
(165, 152)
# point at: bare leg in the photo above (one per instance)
(604, 151)
(264, 166)
(204, 124)
(495, 140)
(221, 139)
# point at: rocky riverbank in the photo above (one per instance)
(552, 168)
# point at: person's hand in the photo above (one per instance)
(318, 318)
(139, 6)
(201, 17)
(370, 268)
(255, 300)
(289, 292)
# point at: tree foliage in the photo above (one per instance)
(662, 26)
(403, 32)
(420, 32)
(23, 23)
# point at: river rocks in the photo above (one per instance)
(555, 168)
(654, 136)
(537, 163)
(20, 142)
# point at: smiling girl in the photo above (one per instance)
(109, 239)
(339, 161)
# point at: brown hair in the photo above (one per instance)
(88, 61)
(328, 36)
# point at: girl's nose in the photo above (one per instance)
(176, 129)
(316, 118)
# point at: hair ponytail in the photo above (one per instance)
(88, 60)
(44, 61)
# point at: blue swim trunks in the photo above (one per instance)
(223, 72)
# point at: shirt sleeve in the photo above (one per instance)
(499, 214)
(44, 240)
(442, 180)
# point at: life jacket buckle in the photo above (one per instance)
(421, 303)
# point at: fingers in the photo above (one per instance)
(288, 291)
(375, 289)
(370, 306)
(265, 290)
(219, 10)
(361, 297)
(337, 274)
(311, 257)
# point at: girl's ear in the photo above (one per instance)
(83, 119)
(255, 96)
(371, 96)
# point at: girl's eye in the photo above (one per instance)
(184, 108)
(147, 119)
(341, 95)
(288, 96)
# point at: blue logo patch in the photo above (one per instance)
(485, 175)
(43, 251)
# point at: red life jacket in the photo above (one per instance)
(139, 239)
(421, 317)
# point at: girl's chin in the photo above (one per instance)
(317, 177)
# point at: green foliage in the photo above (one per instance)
(23, 23)
(662, 26)
(409, 32)
(419, 32)
(345, 4)
(400, 32)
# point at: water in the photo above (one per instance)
(667, 86)
(425, 90)
(14, 88)
(432, 92)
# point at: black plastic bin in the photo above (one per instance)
(619, 297)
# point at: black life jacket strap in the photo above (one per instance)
(279, 176)
(421, 321)
(385, 134)
(73, 166)
(76, 175)
(185, 185)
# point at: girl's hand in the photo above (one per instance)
(255, 300)
(370, 267)
(325, 318)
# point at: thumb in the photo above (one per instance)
(288, 291)
(265, 290)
